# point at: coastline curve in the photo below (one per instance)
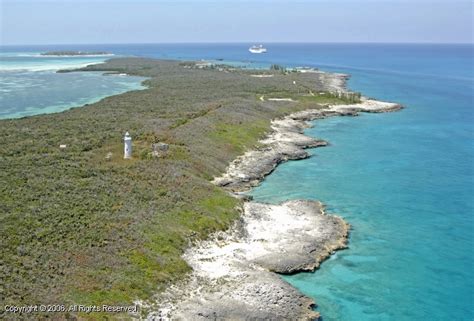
(235, 272)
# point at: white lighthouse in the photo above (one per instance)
(127, 142)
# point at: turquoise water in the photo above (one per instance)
(403, 180)
(29, 84)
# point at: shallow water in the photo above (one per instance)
(29, 84)
(403, 180)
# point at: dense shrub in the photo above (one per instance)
(82, 225)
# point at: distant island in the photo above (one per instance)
(75, 53)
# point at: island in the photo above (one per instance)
(170, 232)
(75, 53)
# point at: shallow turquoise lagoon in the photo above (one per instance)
(403, 180)
(29, 84)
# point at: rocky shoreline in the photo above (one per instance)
(287, 142)
(232, 275)
(234, 272)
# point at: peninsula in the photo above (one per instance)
(173, 234)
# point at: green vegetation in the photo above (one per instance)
(81, 225)
(240, 137)
(275, 67)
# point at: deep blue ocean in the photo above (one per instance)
(404, 180)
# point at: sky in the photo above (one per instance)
(155, 21)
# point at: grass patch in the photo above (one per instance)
(240, 137)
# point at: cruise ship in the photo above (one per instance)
(258, 49)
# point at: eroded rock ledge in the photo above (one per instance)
(231, 278)
(232, 275)
(287, 142)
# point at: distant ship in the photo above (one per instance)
(257, 49)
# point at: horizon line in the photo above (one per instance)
(243, 42)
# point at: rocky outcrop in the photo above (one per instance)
(231, 277)
(287, 142)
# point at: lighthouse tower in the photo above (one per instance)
(127, 152)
